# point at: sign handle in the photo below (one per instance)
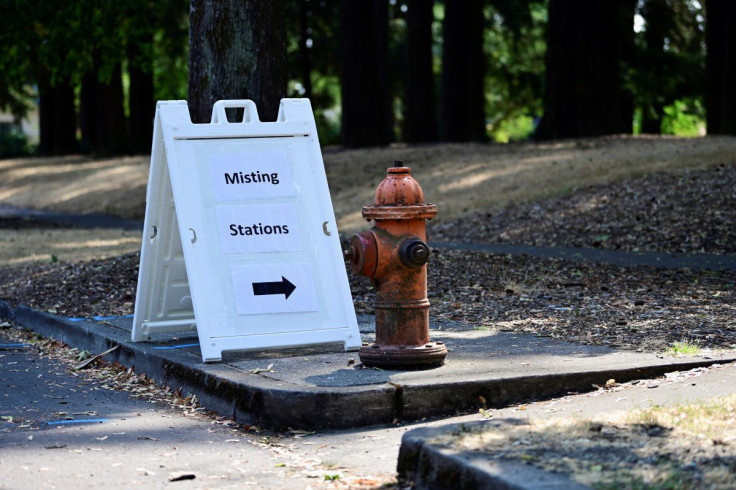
(250, 113)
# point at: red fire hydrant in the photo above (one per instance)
(394, 254)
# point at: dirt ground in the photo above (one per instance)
(621, 193)
(462, 179)
(632, 194)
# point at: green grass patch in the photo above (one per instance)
(683, 348)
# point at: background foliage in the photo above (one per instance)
(51, 44)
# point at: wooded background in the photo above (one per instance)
(376, 71)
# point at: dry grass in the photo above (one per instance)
(459, 178)
(464, 178)
(686, 446)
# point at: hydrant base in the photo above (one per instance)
(431, 354)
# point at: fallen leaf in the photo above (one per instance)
(181, 475)
(55, 446)
(269, 369)
(90, 360)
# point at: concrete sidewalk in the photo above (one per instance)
(325, 387)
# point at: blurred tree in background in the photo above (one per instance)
(367, 119)
(376, 71)
(721, 66)
(669, 60)
(462, 99)
(586, 45)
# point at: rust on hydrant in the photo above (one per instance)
(394, 254)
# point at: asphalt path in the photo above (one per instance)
(59, 430)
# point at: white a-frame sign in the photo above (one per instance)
(240, 238)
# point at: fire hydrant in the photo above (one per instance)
(394, 254)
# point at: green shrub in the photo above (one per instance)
(14, 143)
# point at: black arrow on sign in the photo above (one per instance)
(284, 286)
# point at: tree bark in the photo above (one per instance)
(366, 100)
(305, 58)
(419, 95)
(237, 50)
(109, 116)
(140, 100)
(462, 101)
(720, 35)
(57, 118)
(87, 111)
(584, 94)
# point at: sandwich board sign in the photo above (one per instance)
(240, 239)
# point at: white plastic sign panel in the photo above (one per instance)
(258, 263)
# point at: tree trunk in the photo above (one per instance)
(109, 116)
(141, 104)
(462, 102)
(57, 119)
(419, 96)
(583, 95)
(237, 50)
(720, 34)
(657, 15)
(651, 118)
(87, 111)
(305, 58)
(366, 100)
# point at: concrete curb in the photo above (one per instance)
(425, 463)
(259, 400)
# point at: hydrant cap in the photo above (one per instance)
(399, 189)
(399, 196)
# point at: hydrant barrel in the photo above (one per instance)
(394, 254)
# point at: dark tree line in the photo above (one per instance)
(409, 70)
(586, 42)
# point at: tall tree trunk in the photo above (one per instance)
(651, 118)
(366, 100)
(57, 119)
(305, 58)
(462, 101)
(237, 50)
(419, 96)
(141, 104)
(87, 112)
(720, 33)
(109, 116)
(728, 95)
(584, 94)
(656, 14)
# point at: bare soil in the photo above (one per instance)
(664, 194)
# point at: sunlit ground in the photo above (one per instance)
(26, 246)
